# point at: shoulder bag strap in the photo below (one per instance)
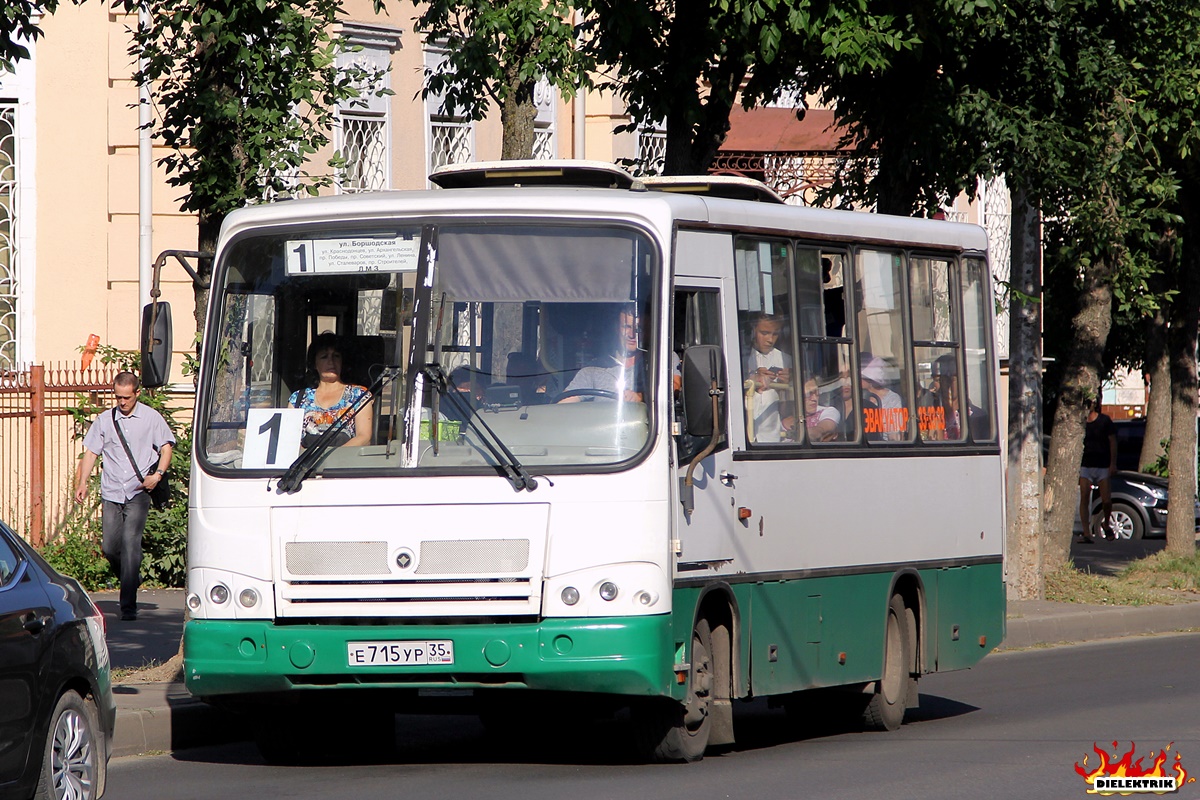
(128, 452)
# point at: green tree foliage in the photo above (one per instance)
(498, 52)
(686, 64)
(18, 23)
(245, 93)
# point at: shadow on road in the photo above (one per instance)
(463, 739)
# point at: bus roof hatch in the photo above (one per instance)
(732, 187)
(566, 172)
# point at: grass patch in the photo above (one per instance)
(1160, 579)
(1165, 571)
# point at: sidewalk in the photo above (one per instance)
(160, 717)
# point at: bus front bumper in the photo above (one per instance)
(619, 655)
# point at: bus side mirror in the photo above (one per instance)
(702, 365)
(156, 344)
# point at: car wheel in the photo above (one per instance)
(1126, 522)
(73, 763)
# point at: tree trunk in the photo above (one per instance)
(1080, 385)
(696, 130)
(1185, 324)
(1024, 472)
(1158, 363)
(896, 190)
(206, 242)
(517, 116)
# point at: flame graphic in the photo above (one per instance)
(1127, 767)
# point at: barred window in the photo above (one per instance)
(545, 137)
(365, 148)
(651, 150)
(363, 135)
(9, 279)
(451, 136)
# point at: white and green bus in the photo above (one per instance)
(658, 446)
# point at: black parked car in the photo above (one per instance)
(1139, 506)
(56, 704)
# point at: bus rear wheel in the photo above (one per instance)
(669, 731)
(885, 709)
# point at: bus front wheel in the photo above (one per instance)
(669, 731)
(885, 709)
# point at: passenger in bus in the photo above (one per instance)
(821, 422)
(529, 376)
(328, 397)
(944, 392)
(770, 371)
(619, 374)
(884, 415)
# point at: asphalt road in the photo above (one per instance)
(1014, 726)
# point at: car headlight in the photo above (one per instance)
(1154, 491)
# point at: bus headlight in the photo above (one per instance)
(248, 598)
(219, 594)
(608, 591)
(193, 601)
(645, 598)
(570, 595)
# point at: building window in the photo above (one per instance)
(364, 145)
(545, 136)
(651, 150)
(363, 126)
(451, 136)
(9, 284)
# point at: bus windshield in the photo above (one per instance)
(540, 334)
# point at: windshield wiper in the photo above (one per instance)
(512, 468)
(307, 461)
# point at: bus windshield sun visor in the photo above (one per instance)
(307, 461)
(516, 474)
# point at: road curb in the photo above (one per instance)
(1091, 623)
(162, 717)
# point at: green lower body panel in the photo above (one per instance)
(620, 655)
(790, 635)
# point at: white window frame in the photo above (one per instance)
(374, 46)
(651, 139)
(436, 117)
(18, 94)
(545, 124)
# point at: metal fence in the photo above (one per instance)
(44, 412)
(40, 441)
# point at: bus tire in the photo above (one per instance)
(667, 731)
(885, 709)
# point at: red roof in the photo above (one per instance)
(776, 130)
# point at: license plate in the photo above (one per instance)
(399, 654)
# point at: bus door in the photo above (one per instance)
(706, 533)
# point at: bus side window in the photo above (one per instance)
(936, 350)
(828, 412)
(768, 383)
(882, 362)
(697, 321)
(977, 294)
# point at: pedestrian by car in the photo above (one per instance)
(1098, 467)
(135, 444)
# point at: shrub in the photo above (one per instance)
(75, 550)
